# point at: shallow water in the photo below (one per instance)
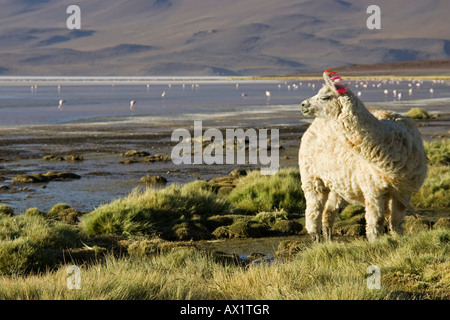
(21, 105)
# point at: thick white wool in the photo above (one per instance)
(351, 155)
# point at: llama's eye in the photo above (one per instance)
(325, 98)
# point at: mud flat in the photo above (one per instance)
(30, 152)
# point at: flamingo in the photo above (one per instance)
(431, 90)
(132, 103)
(61, 102)
(359, 93)
(268, 94)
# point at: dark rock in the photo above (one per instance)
(135, 153)
(74, 158)
(154, 179)
(61, 176)
(158, 158)
(53, 158)
(46, 177)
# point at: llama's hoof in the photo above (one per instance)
(371, 237)
(315, 237)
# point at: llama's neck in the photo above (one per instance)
(361, 132)
(356, 124)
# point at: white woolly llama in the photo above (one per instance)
(351, 155)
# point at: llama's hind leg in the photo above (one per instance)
(332, 207)
(375, 209)
(316, 196)
(397, 211)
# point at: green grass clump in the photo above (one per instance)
(442, 223)
(155, 211)
(435, 190)
(34, 212)
(64, 213)
(282, 191)
(351, 211)
(58, 208)
(418, 113)
(436, 187)
(438, 151)
(29, 243)
(6, 210)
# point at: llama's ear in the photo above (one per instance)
(334, 82)
(327, 80)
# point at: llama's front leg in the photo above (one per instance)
(329, 214)
(315, 202)
(375, 209)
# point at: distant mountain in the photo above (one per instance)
(213, 37)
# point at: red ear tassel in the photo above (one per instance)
(329, 72)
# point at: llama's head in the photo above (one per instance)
(329, 100)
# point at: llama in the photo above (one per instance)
(352, 155)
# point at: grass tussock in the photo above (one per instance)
(438, 152)
(282, 191)
(155, 211)
(418, 114)
(411, 267)
(197, 210)
(434, 192)
(31, 243)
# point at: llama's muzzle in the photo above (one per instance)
(305, 107)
